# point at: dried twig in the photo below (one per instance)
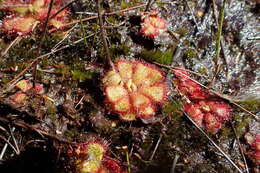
(148, 5)
(4, 149)
(14, 42)
(96, 17)
(104, 36)
(174, 163)
(128, 162)
(240, 148)
(15, 142)
(213, 143)
(29, 127)
(80, 101)
(5, 146)
(7, 141)
(156, 147)
(45, 24)
(63, 8)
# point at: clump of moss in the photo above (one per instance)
(241, 124)
(182, 31)
(173, 108)
(251, 104)
(157, 56)
(190, 53)
(119, 50)
(81, 75)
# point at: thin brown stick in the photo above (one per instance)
(14, 42)
(192, 15)
(148, 5)
(29, 127)
(63, 8)
(96, 17)
(6, 145)
(15, 142)
(240, 148)
(34, 61)
(156, 147)
(103, 34)
(174, 163)
(7, 141)
(45, 25)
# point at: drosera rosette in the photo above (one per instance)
(152, 24)
(134, 89)
(205, 109)
(186, 86)
(92, 157)
(209, 114)
(254, 141)
(26, 15)
(25, 88)
(19, 98)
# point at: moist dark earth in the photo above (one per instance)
(41, 130)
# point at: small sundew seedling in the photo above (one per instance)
(135, 89)
(25, 89)
(89, 155)
(25, 15)
(19, 98)
(92, 157)
(187, 86)
(152, 24)
(24, 85)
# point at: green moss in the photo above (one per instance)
(190, 53)
(182, 31)
(124, 4)
(39, 75)
(51, 40)
(119, 50)
(157, 56)
(80, 75)
(251, 104)
(242, 123)
(51, 108)
(45, 62)
(128, 4)
(71, 134)
(63, 69)
(226, 132)
(202, 70)
(186, 43)
(5, 80)
(23, 50)
(173, 108)
(112, 19)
